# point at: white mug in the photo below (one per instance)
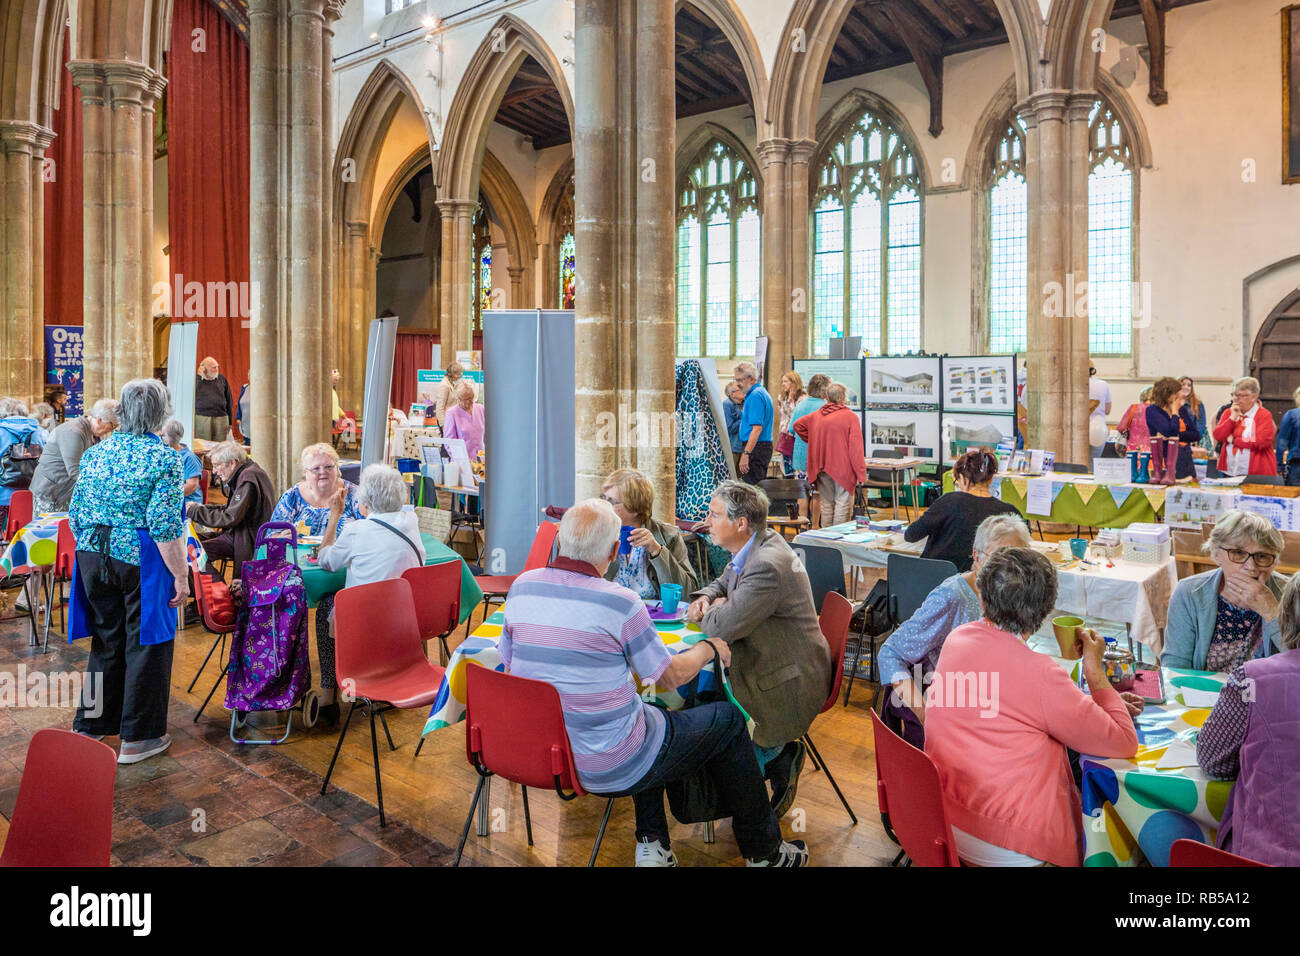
(1064, 548)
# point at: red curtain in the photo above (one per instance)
(208, 179)
(64, 265)
(414, 351)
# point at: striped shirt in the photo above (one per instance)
(586, 636)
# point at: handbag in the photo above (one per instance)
(785, 445)
(696, 797)
(18, 464)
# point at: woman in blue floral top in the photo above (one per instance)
(309, 501)
(130, 573)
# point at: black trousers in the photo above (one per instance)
(759, 459)
(128, 683)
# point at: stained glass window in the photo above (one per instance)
(481, 264)
(1008, 199)
(1110, 235)
(567, 264)
(867, 217)
(719, 269)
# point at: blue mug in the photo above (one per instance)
(1079, 547)
(670, 595)
(624, 546)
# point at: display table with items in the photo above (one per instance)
(1076, 500)
(35, 548)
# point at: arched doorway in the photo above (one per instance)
(1275, 358)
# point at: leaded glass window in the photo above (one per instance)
(1008, 199)
(481, 266)
(867, 215)
(719, 276)
(1110, 234)
(567, 264)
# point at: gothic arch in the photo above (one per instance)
(550, 237)
(987, 129)
(31, 48)
(511, 214)
(478, 96)
(135, 30)
(1134, 126)
(851, 105)
(704, 133)
(728, 18)
(800, 65)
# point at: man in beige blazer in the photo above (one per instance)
(762, 606)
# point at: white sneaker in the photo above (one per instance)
(137, 750)
(652, 853)
(789, 853)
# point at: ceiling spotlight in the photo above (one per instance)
(374, 36)
(568, 34)
(430, 23)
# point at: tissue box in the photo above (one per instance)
(1146, 543)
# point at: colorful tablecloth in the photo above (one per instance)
(480, 650)
(35, 544)
(1086, 504)
(1134, 811)
(319, 582)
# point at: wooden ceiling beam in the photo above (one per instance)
(694, 88)
(975, 15)
(856, 28)
(927, 53)
(1153, 18)
(702, 75)
(944, 17)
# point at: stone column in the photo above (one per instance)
(331, 348)
(655, 229)
(800, 265)
(457, 279)
(773, 157)
(1056, 174)
(352, 336)
(22, 338)
(289, 223)
(516, 286)
(117, 103)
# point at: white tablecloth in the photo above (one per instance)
(1130, 593)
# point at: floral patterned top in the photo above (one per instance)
(1236, 635)
(293, 507)
(127, 482)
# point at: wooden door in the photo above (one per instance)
(1275, 358)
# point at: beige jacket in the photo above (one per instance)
(780, 662)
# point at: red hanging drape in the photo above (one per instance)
(414, 351)
(64, 265)
(208, 184)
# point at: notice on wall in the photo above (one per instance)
(63, 363)
(1038, 496)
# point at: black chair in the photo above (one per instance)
(474, 521)
(878, 478)
(1264, 480)
(910, 580)
(825, 567)
(784, 495)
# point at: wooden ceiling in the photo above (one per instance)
(532, 106)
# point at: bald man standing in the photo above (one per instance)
(212, 402)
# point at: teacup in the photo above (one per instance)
(670, 595)
(1066, 628)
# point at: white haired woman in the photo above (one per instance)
(1220, 619)
(249, 503)
(910, 655)
(465, 420)
(378, 548)
(130, 571)
(56, 474)
(1245, 432)
(172, 433)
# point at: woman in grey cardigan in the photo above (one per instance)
(1220, 619)
(56, 473)
(658, 554)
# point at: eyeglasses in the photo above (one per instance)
(613, 502)
(322, 469)
(1261, 559)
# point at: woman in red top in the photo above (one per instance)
(835, 453)
(1245, 432)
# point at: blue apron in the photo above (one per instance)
(157, 617)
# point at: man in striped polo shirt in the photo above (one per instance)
(565, 624)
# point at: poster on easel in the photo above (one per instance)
(962, 433)
(902, 406)
(979, 383)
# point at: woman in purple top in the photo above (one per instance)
(1253, 734)
(465, 420)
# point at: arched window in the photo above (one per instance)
(1110, 234)
(481, 267)
(567, 258)
(718, 263)
(867, 240)
(1008, 219)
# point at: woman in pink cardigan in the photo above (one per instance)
(1003, 716)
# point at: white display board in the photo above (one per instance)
(379, 386)
(979, 383)
(848, 372)
(963, 432)
(898, 382)
(182, 366)
(914, 433)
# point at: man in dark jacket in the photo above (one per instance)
(212, 402)
(250, 500)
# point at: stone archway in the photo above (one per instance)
(461, 156)
(516, 222)
(1275, 357)
(358, 222)
(551, 236)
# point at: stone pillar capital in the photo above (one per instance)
(516, 272)
(457, 208)
(18, 136)
(772, 152)
(333, 10)
(121, 81)
(357, 229)
(1043, 106)
(801, 150)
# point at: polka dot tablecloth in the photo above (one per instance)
(36, 544)
(1133, 811)
(480, 650)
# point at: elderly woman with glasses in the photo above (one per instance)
(1219, 619)
(309, 500)
(1245, 432)
(1248, 737)
(130, 572)
(656, 554)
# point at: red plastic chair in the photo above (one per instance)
(835, 619)
(64, 812)
(436, 589)
(20, 512)
(205, 479)
(379, 659)
(217, 611)
(911, 799)
(496, 587)
(1187, 852)
(514, 728)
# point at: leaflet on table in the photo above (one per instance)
(1194, 697)
(1038, 496)
(1192, 507)
(1112, 471)
(1180, 753)
(1281, 512)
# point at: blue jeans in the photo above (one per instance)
(712, 736)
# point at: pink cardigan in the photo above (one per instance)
(1001, 758)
